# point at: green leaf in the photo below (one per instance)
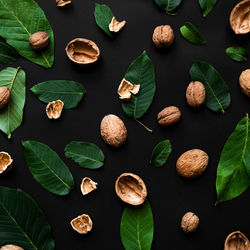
(141, 71)
(103, 16)
(137, 227)
(233, 173)
(7, 54)
(161, 153)
(21, 18)
(217, 92)
(22, 222)
(237, 53)
(192, 34)
(69, 92)
(86, 154)
(168, 5)
(207, 6)
(47, 168)
(11, 115)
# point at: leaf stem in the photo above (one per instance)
(148, 129)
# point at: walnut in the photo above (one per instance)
(236, 240)
(4, 96)
(61, 3)
(245, 82)
(88, 185)
(82, 51)
(163, 36)
(189, 222)
(6, 162)
(11, 247)
(240, 17)
(82, 224)
(195, 94)
(39, 40)
(54, 109)
(113, 130)
(169, 116)
(126, 88)
(116, 26)
(192, 163)
(131, 189)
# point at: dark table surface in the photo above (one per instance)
(170, 196)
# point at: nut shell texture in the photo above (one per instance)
(88, 185)
(82, 224)
(11, 247)
(54, 109)
(131, 189)
(245, 82)
(189, 222)
(236, 241)
(169, 116)
(39, 40)
(192, 163)
(195, 94)
(6, 163)
(4, 96)
(163, 36)
(113, 130)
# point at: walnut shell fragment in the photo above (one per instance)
(11, 247)
(240, 17)
(82, 51)
(6, 162)
(189, 222)
(195, 94)
(236, 241)
(126, 88)
(61, 3)
(131, 189)
(169, 116)
(88, 185)
(82, 224)
(54, 109)
(115, 25)
(4, 96)
(245, 82)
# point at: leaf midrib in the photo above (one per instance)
(138, 232)
(82, 156)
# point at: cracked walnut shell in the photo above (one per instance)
(82, 224)
(82, 51)
(11, 247)
(189, 222)
(4, 96)
(163, 36)
(6, 162)
(39, 40)
(115, 25)
(131, 189)
(245, 82)
(126, 88)
(195, 94)
(54, 109)
(88, 185)
(236, 241)
(240, 17)
(169, 116)
(61, 3)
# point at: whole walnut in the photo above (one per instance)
(163, 36)
(195, 94)
(192, 163)
(189, 222)
(11, 247)
(39, 40)
(4, 96)
(245, 82)
(169, 116)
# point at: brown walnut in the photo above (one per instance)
(189, 222)
(11, 247)
(115, 25)
(82, 224)
(4, 96)
(236, 241)
(61, 3)
(88, 185)
(6, 162)
(245, 82)
(54, 109)
(131, 189)
(169, 116)
(82, 51)
(113, 130)
(195, 94)
(192, 163)
(163, 36)
(240, 17)
(39, 40)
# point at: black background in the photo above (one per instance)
(170, 195)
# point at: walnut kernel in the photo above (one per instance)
(189, 222)
(61, 3)
(169, 116)
(6, 162)
(11, 247)
(39, 40)
(4, 96)
(115, 25)
(245, 82)
(82, 224)
(163, 36)
(195, 94)
(88, 185)
(126, 88)
(236, 240)
(54, 109)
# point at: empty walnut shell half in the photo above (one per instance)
(126, 88)
(240, 17)
(115, 25)
(88, 185)
(131, 189)
(61, 3)
(236, 241)
(82, 51)
(82, 224)
(6, 162)
(54, 109)
(11, 247)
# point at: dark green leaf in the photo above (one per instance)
(237, 53)
(168, 5)
(86, 154)
(21, 18)
(22, 222)
(217, 92)
(207, 6)
(7, 54)
(11, 115)
(192, 34)
(137, 227)
(233, 173)
(47, 168)
(141, 71)
(161, 153)
(69, 92)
